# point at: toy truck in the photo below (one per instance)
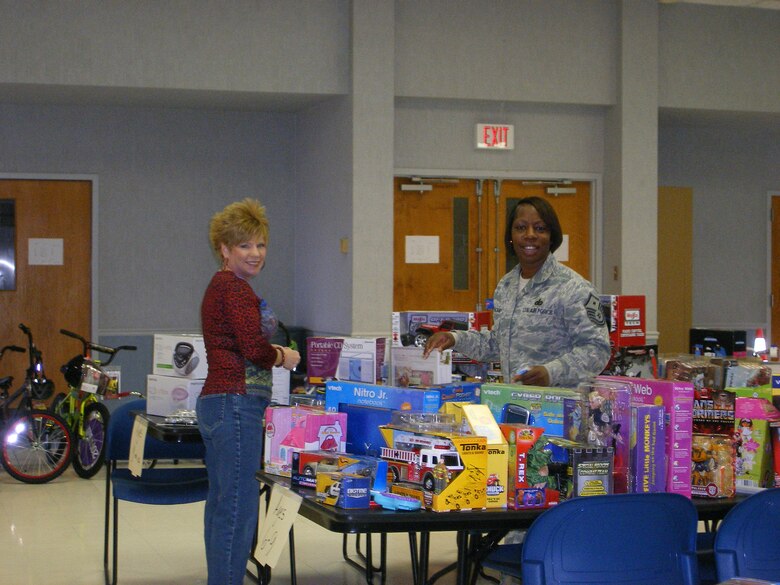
(416, 461)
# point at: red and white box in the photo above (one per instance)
(625, 315)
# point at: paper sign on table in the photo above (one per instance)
(275, 523)
(137, 441)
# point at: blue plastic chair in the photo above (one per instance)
(636, 539)
(746, 544)
(160, 486)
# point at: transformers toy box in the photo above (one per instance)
(532, 405)
(344, 490)
(299, 428)
(677, 399)
(415, 327)
(344, 358)
(397, 398)
(445, 471)
(625, 316)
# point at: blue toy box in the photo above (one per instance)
(396, 398)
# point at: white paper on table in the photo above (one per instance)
(137, 441)
(274, 524)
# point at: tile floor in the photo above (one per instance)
(52, 534)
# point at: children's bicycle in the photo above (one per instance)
(36, 443)
(80, 407)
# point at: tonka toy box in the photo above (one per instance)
(533, 405)
(677, 399)
(182, 355)
(397, 398)
(625, 316)
(166, 395)
(482, 423)
(344, 358)
(445, 471)
(344, 490)
(299, 428)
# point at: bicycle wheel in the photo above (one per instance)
(91, 444)
(36, 446)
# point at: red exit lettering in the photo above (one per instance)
(493, 136)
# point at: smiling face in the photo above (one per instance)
(530, 239)
(246, 259)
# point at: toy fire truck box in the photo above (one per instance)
(306, 465)
(415, 327)
(166, 395)
(702, 373)
(532, 405)
(449, 470)
(648, 437)
(713, 411)
(717, 342)
(182, 355)
(344, 490)
(600, 416)
(746, 375)
(753, 443)
(640, 361)
(712, 466)
(300, 428)
(677, 399)
(409, 368)
(625, 316)
(396, 398)
(344, 358)
(481, 422)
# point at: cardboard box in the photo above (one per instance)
(625, 315)
(344, 358)
(182, 355)
(395, 398)
(344, 490)
(307, 465)
(363, 436)
(482, 423)
(648, 437)
(166, 395)
(717, 342)
(406, 325)
(409, 368)
(677, 399)
(300, 428)
(753, 442)
(534, 405)
(712, 463)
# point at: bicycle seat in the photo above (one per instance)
(5, 383)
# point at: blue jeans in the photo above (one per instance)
(232, 430)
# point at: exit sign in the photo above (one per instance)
(496, 136)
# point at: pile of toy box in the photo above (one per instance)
(631, 356)
(179, 371)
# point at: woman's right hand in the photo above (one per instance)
(291, 358)
(440, 340)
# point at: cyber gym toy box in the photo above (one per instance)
(533, 405)
(300, 428)
(396, 398)
(182, 355)
(344, 358)
(166, 395)
(677, 399)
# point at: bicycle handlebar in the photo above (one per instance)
(12, 348)
(87, 345)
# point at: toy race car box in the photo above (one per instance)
(677, 399)
(712, 466)
(625, 316)
(397, 398)
(532, 405)
(306, 465)
(166, 395)
(647, 459)
(344, 490)
(409, 368)
(447, 471)
(481, 422)
(601, 417)
(344, 358)
(182, 355)
(300, 428)
(415, 327)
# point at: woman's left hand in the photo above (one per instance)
(534, 376)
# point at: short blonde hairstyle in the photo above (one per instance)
(238, 222)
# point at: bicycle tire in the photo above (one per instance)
(90, 451)
(37, 446)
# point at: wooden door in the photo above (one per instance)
(50, 294)
(675, 272)
(449, 250)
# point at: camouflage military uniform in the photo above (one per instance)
(555, 322)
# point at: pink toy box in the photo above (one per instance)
(677, 399)
(298, 428)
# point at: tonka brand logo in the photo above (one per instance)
(466, 447)
(495, 451)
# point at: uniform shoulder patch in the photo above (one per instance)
(593, 309)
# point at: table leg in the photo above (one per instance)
(415, 559)
(461, 574)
